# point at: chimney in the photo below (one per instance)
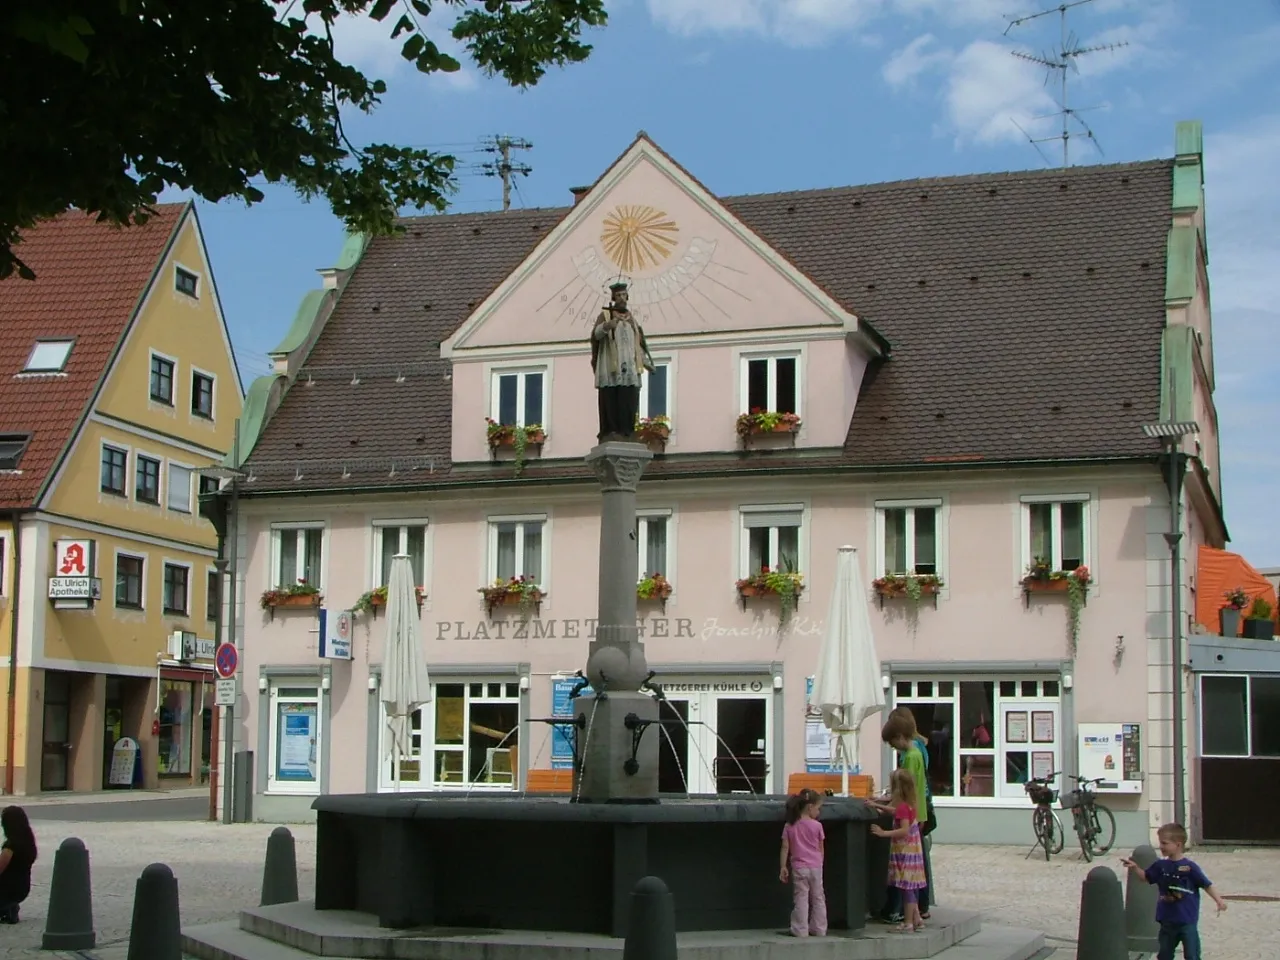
(579, 193)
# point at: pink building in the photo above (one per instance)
(971, 361)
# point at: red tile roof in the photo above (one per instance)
(90, 278)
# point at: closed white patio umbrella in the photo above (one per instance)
(405, 684)
(846, 686)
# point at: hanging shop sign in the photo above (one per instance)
(73, 585)
(335, 634)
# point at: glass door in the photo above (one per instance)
(1029, 744)
(57, 728)
(410, 762)
(674, 774)
(741, 745)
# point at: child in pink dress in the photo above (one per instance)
(804, 845)
(906, 849)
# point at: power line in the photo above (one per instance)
(1062, 59)
(503, 167)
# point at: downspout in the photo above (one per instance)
(11, 707)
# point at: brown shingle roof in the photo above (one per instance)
(90, 277)
(1024, 311)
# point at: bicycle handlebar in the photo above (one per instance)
(1070, 776)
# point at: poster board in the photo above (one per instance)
(562, 706)
(819, 744)
(124, 763)
(1112, 751)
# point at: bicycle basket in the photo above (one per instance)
(1039, 793)
(1072, 800)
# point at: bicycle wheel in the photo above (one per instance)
(1102, 829)
(1059, 835)
(1080, 820)
(1042, 824)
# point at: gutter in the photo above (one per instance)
(11, 706)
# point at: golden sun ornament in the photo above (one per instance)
(637, 237)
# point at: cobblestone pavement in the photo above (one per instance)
(219, 870)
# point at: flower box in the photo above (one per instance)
(376, 599)
(505, 438)
(1255, 628)
(763, 423)
(896, 586)
(516, 592)
(654, 432)
(654, 589)
(1038, 585)
(1073, 584)
(754, 591)
(291, 598)
(766, 584)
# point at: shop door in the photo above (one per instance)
(1029, 745)
(112, 727)
(742, 735)
(674, 775)
(56, 731)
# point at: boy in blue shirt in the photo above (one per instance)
(1179, 881)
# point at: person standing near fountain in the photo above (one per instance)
(804, 846)
(619, 356)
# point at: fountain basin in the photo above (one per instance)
(547, 864)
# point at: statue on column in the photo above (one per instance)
(619, 357)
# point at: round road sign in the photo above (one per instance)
(226, 660)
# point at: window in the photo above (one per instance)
(1056, 529)
(651, 538)
(473, 729)
(410, 539)
(178, 494)
(184, 281)
(208, 484)
(771, 383)
(1239, 716)
(161, 380)
(12, 447)
(115, 464)
(297, 555)
(293, 764)
(986, 737)
(176, 579)
(772, 538)
(655, 395)
(515, 548)
(212, 595)
(202, 395)
(3, 557)
(517, 397)
(907, 536)
(175, 736)
(48, 356)
(129, 581)
(147, 487)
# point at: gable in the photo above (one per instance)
(694, 269)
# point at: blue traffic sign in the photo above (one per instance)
(226, 659)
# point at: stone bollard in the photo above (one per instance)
(1140, 905)
(69, 925)
(156, 933)
(651, 924)
(280, 872)
(1102, 932)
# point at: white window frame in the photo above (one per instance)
(168, 485)
(130, 478)
(744, 389)
(67, 342)
(911, 506)
(213, 395)
(174, 380)
(161, 486)
(519, 519)
(142, 581)
(644, 388)
(170, 562)
(273, 574)
(642, 541)
(1056, 500)
(744, 535)
(521, 372)
(380, 528)
(195, 273)
(274, 700)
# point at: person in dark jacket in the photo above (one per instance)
(17, 857)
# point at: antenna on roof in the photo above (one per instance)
(1063, 59)
(503, 167)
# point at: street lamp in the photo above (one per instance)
(1170, 433)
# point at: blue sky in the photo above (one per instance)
(764, 95)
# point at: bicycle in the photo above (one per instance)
(1044, 819)
(1094, 824)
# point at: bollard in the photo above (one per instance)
(280, 872)
(69, 925)
(1140, 905)
(156, 933)
(651, 924)
(1102, 932)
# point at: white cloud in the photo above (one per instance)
(794, 22)
(993, 13)
(913, 60)
(366, 44)
(988, 91)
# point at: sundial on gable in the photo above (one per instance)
(676, 283)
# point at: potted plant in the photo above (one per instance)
(1042, 578)
(654, 431)
(520, 591)
(1258, 624)
(913, 586)
(300, 594)
(374, 600)
(506, 436)
(654, 586)
(1229, 615)
(786, 585)
(760, 422)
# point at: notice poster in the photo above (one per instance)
(562, 706)
(1112, 751)
(1132, 751)
(1041, 764)
(1015, 726)
(124, 756)
(1042, 726)
(296, 747)
(819, 744)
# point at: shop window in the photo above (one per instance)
(408, 538)
(1239, 716)
(202, 395)
(516, 548)
(771, 539)
(178, 493)
(177, 589)
(176, 727)
(293, 764)
(147, 482)
(518, 397)
(115, 466)
(652, 543)
(129, 573)
(162, 379)
(771, 384)
(655, 391)
(212, 596)
(1056, 529)
(296, 554)
(907, 537)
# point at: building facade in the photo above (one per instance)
(921, 369)
(119, 386)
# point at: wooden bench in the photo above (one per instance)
(860, 785)
(549, 781)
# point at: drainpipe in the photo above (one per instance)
(1174, 539)
(11, 736)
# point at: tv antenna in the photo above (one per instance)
(1063, 59)
(503, 167)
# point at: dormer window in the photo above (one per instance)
(12, 446)
(48, 356)
(771, 383)
(186, 282)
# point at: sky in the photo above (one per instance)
(756, 96)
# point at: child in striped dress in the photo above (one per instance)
(906, 849)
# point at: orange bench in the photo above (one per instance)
(860, 785)
(549, 781)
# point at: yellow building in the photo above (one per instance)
(117, 384)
